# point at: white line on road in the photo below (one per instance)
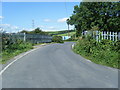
(17, 59)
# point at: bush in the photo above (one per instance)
(57, 39)
(71, 39)
(104, 52)
(12, 49)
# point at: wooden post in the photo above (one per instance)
(116, 36)
(96, 36)
(113, 36)
(24, 37)
(110, 35)
(107, 34)
(102, 34)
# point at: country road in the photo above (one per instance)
(57, 66)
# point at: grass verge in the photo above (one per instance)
(14, 50)
(105, 52)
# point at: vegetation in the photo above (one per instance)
(10, 49)
(36, 31)
(57, 39)
(103, 16)
(61, 33)
(105, 52)
(66, 34)
(14, 46)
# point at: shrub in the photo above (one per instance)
(105, 52)
(57, 39)
(12, 49)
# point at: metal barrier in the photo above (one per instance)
(33, 38)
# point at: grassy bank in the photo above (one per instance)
(66, 34)
(14, 50)
(105, 52)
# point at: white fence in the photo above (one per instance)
(101, 35)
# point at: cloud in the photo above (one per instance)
(9, 28)
(46, 20)
(51, 27)
(5, 25)
(62, 20)
(1, 17)
(41, 26)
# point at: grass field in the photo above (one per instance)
(62, 33)
(66, 34)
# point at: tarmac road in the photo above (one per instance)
(57, 66)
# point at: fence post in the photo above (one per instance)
(24, 37)
(116, 36)
(99, 36)
(102, 34)
(110, 35)
(107, 34)
(113, 36)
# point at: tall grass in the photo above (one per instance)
(14, 49)
(105, 52)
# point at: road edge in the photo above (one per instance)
(18, 57)
(95, 63)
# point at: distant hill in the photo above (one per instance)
(61, 33)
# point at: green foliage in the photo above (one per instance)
(71, 39)
(105, 52)
(36, 31)
(96, 15)
(57, 39)
(60, 32)
(12, 49)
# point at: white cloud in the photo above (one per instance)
(5, 25)
(46, 20)
(14, 27)
(62, 20)
(9, 27)
(51, 27)
(41, 26)
(1, 17)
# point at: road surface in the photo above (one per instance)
(57, 66)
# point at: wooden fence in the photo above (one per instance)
(101, 35)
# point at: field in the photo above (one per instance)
(62, 33)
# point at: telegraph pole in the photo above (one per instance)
(68, 26)
(68, 30)
(33, 24)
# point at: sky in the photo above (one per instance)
(48, 16)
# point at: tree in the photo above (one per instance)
(36, 31)
(104, 15)
(24, 31)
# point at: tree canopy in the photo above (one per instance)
(36, 31)
(103, 16)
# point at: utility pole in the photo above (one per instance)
(68, 30)
(33, 24)
(68, 26)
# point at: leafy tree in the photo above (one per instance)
(36, 31)
(104, 15)
(24, 31)
(57, 39)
